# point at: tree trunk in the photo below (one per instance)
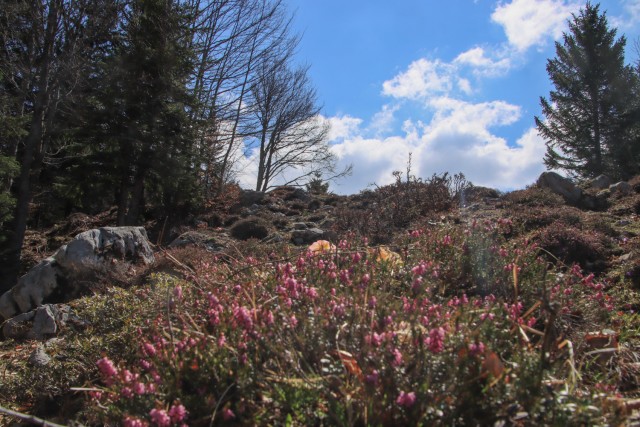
(123, 200)
(136, 202)
(33, 141)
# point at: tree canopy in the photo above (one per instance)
(587, 118)
(141, 105)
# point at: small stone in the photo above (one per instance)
(39, 357)
(44, 322)
(625, 257)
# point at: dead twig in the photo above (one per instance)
(29, 418)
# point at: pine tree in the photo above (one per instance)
(584, 125)
(142, 110)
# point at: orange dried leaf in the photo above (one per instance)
(350, 363)
(321, 246)
(383, 254)
(492, 364)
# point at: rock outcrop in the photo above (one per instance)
(90, 254)
(560, 185)
(41, 323)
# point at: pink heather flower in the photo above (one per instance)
(446, 240)
(177, 413)
(221, 340)
(388, 320)
(377, 339)
(293, 321)
(373, 301)
(333, 292)
(489, 316)
(269, 318)
(406, 399)
(227, 414)
(344, 276)
(149, 349)
(291, 284)
(419, 269)
(160, 417)
(139, 388)
(243, 317)
(213, 301)
(435, 341)
(312, 293)
(397, 357)
(177, 292)
(357, 257)
(145, 364)
(127, 376)
(107, 368)
(476, 348)
(372, 378)
(133, 422)
(366, 278)
(126, 392)
(151, 388)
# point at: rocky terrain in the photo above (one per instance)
(67, 312)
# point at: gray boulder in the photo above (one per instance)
(62, 275)
(560, 185)
(621, 187)
(309, 235)
(248, 198)
(43, 322)
(601, 182)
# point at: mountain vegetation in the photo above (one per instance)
(428, 301)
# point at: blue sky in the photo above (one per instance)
(456, 83)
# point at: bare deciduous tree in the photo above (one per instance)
(290, 131)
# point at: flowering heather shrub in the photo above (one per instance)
(534, 196)
(250, 228)
(377, 214)
(460, 327)
(573, 245)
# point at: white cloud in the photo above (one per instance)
(465, 86)
(530, 23)
(343, 127)
(423, 78)
(631, 17)
(459, 138)
(382, 121)
(483, 65)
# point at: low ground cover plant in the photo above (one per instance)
(455, 325)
